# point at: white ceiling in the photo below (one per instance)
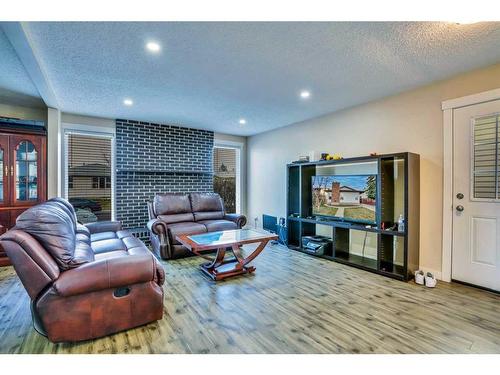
(209, 75)
(16, 86)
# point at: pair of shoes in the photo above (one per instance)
(428, 280)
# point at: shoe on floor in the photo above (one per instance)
(430, 280)
(419, 277)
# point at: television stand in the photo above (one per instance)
(371, 247)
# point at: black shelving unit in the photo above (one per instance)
(390, 253)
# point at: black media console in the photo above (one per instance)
(379, 247)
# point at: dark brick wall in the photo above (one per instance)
(153, 158)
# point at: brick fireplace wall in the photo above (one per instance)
(156, 158)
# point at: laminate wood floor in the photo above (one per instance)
(293, 303)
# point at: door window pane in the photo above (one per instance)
(485, 165)
(88, 169)
(225, 172)
(26, 172)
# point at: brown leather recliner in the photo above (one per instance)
(84, 281)
(172, 214)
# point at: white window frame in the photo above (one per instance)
(90, 131)
(238, 146)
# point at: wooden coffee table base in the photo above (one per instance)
(220, 269)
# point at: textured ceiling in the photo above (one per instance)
(16, 86)
(208, 75)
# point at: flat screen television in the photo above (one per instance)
(345, 197)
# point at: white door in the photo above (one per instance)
(476, 195)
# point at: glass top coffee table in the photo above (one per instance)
(219, 268)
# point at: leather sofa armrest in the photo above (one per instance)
(159, 273)
(157, 226)
(240, 220)
(108, 273)
(104, 226)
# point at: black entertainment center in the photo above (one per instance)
(360, 211)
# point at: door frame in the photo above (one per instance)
(448, 107)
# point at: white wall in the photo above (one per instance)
(410, 121)
(25, 113)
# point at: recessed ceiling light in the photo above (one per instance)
(304, 94)
(242, 121)
(128, 102)
(153, 46)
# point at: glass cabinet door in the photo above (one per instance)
(26, 182)
(25, 169)
(4, 170)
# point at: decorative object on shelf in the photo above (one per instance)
(326, 156)
(302, 159)
(373, 154)
(401, 223)
(315, 155)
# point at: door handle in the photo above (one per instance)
(12, 170)
(460, 208)
(460, 196)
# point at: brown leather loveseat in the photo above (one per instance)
(172, 214)
(84, 281)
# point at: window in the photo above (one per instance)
(101, 182)
(486, 158)
(226, 166)
(88, 172)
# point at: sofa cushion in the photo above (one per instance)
(176, 218)
(52, 227)
(83, 237)
(185, 228)
(173, 207)
(110, 235)
(218, 225)
(104, 246)
(206, 206)
(84, 252)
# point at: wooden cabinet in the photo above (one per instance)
(23, 181)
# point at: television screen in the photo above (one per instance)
(345, 197)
